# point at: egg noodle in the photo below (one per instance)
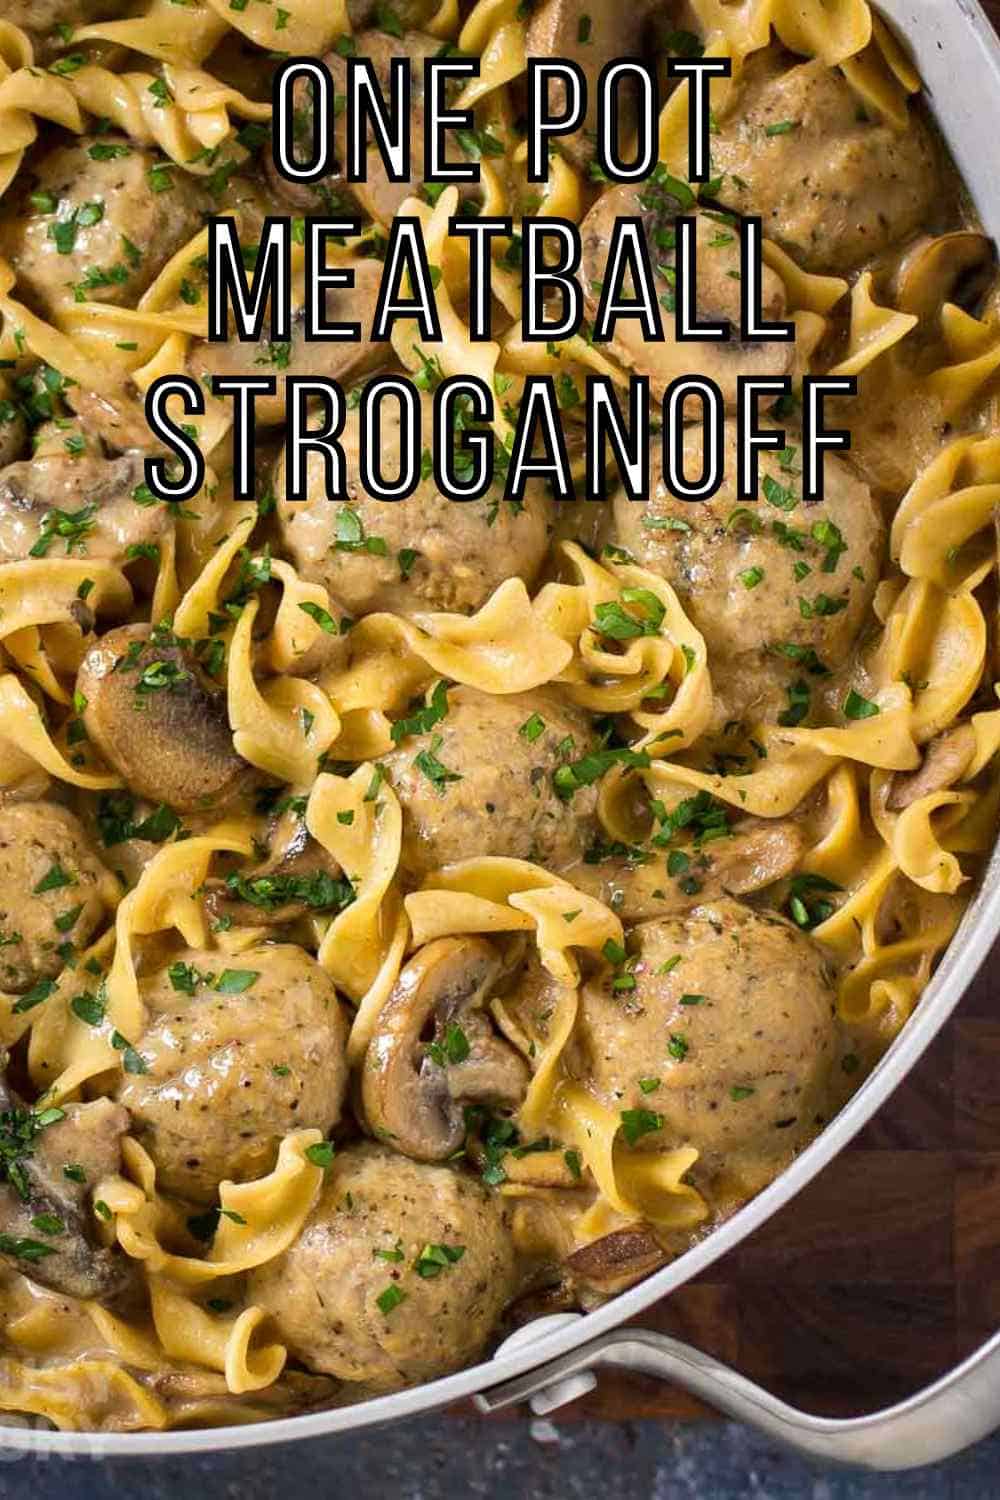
(500, 834)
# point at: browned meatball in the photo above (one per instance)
(423, 553)
(717, 297)
(238, 1053)
(495, 794)
(832, 184)
(399, 1275)
(726, 1041)
(51, 886)
(90, 219)
(58, 506)
(765, 583)
(354, 304)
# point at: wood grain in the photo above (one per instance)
(885, 1271)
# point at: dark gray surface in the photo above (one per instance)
(447, 1458)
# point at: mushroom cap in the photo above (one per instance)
(297, 878)
(415, 1097)
(77, 1265)
(171, 742)
(377, 1215)
(616, 1261)
(946, 759)
(72, 1262)
(759, 852)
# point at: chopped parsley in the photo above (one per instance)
(424, 720)
(350, 535)
(453, 1047)
(433, 1259)
(54, 880)
(318, 890)
(390, 1298)
(639, 1122)
(19, 1129)
(856, 707)
(428, 763)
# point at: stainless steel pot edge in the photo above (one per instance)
(958, 56)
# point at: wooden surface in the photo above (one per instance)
(881, 1275)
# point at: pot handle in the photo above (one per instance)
(935, 1423)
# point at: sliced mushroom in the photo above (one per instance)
(758, 853)
(616, 1261)
(298, 878)
(435, 1051)
(44, 1209)
(57, 505)
(158, 720)
(336, 361)
(946, 760)
(591, 36)
(717, 296)
(944, 268)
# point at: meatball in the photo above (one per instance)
(717, 246)
(399, 1275)
(92, 220)
(767, 583)
(354, 304)
(51, 886)
(236, 1057)
(832, 184)
(727, 1038)
(60, 506)
(476, 784)
(423, 553)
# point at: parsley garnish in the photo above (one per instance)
(639, 1122)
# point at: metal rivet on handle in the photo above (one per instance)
(560, 1392)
